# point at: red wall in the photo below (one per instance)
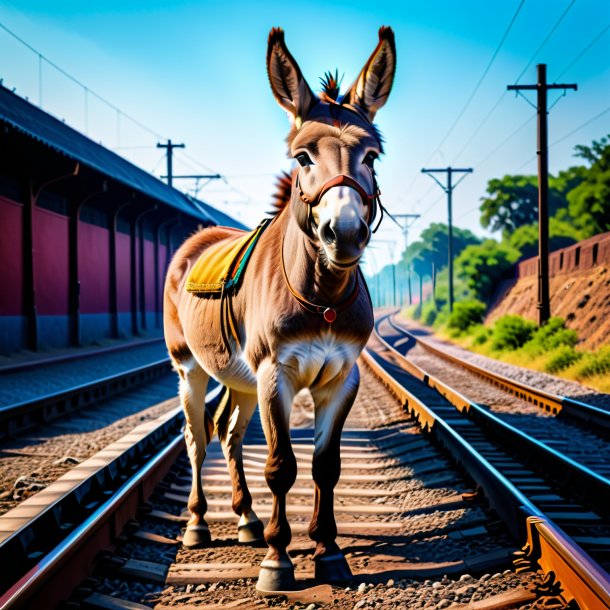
(50, 262)
(93, 268)
(123, 272)
(11, 269)
(566, 260)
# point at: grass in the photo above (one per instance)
(551, 349)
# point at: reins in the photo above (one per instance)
(328, 312)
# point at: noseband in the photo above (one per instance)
(371, 201)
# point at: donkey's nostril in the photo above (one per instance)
(363, 235)
(327, 233)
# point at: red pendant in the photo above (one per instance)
(330, 315)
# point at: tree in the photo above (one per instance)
(432, 246)
(589, 201)
(512, 202)
(483, 266)
(562, 233)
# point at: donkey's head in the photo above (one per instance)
(333, 139)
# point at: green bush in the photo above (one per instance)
(597, 363)
(551, 336)
(511, 332)
(466, 314)
(427, 313)
(563, 357)
(480, 334)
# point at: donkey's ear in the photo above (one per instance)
(372, 87)
(287, 83)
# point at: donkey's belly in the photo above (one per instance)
(236, 374)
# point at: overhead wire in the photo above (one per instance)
(119, 111)
(547, 38)
(569, 134)
(582, 52)
(529, 63)
(474, 91)
(78, 82)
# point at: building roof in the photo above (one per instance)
(41, 126)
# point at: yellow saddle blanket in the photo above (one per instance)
(220, 267)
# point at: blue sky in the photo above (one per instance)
(195, 72)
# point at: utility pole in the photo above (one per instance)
(170, 152)
(406, 222)
(449, 190)
(197, 178)
(391, 245)
(541, 88)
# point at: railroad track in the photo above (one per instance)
(399, 504)
(21, 416)
(557, 505)
(74, 355)
(562, 406)
(400, 514)
(49, 543)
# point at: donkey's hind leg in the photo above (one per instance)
(232, 427)
(197, 434)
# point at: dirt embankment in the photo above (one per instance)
(579, 286)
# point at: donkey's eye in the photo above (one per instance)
(369, 158)
(303, 159)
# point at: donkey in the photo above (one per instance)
(301, 316)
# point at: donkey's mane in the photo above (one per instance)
(331, 84)
(283, 189)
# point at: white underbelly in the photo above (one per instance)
(317, 360)
(237, 375)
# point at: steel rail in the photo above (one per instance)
(581, 577)
(39, 571)
(17, 367)
(17, 417)
(590, 485)
(559, 405)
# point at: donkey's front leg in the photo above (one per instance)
(275, 395)
(332, 405)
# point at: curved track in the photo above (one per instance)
(559, 506)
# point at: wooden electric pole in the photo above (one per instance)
(169, 145)
(406, 221)
(449, 190)
(541, 88)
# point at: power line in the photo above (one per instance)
(583, 52)
(567, 135)
(591, 120)
(474, 92)
(480, 81)
(86, 89)
(543, 44)
(507, 139)
(529, 63)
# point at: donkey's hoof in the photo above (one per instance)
(251, 533)
(194, 536)
(332, 569)
(276, 575)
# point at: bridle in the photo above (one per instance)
(371, 201)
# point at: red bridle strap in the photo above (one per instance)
(341, 180)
